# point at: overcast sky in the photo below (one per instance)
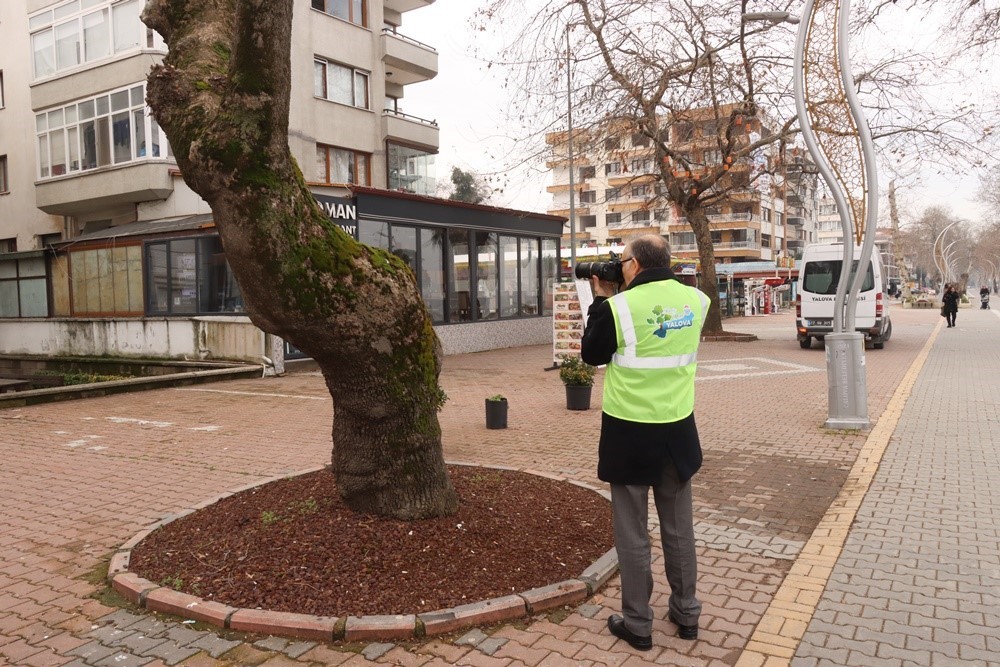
(468, 102)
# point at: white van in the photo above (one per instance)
(818, 277)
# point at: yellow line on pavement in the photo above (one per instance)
(783, 625)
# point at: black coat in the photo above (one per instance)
(634, 452)
(950, 302)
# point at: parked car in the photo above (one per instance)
(818, 277)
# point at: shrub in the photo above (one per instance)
(574, 372)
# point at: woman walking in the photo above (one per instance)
(950, 304)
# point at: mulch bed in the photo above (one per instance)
(293, 546)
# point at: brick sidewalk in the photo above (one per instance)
(79, 479)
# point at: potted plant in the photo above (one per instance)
(578, 376)
(496, 411)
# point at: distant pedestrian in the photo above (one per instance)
(949, 304)
(648, 335)
(984, 297)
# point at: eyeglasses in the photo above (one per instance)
(628, 260)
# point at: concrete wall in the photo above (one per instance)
(194, 339)
(482, 336)
(208, 337)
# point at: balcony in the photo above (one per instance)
(88, 191)
(406, 5)
(407, 60)
(413, 130)
(618, 180)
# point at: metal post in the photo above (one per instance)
(847, 388)
(569, 143)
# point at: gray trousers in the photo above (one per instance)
(629, 508)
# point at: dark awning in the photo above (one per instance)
(144, 228)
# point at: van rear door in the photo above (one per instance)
(818, 287)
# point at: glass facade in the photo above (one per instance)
(503, 278)
(190, 277)
(410, 169)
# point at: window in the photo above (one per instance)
(391, 104)
(642, 166)
(765, 240)
(188, 277)
(588, 221)
(640, 217)
(822, 277)
(528, 260)
(76, 33)
(341, 84)
(716, 236)
(22, 286)
(587, 172)
(98, 132)
(354, 11)
(610, 194)
(8, 245)
(106, 281)
(662, 215)
(640, 190)
(487, 275)
(509, 279)
(612, 143)
(342, 166)
(410, 169)
(1, 90)
(612, 168)
(588, 197)
(4, 185)
(612, 219)
(640, 140)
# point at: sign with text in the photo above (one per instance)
(343, 211)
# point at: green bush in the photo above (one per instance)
(574, 372)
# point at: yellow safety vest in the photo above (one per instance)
(651, 377)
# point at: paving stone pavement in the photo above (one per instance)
(918, 582)
(78, 479)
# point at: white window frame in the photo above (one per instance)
(4, 183)
(70, 16)
(360, 82)
(64, 129)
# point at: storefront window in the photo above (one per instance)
(375, 234)
(459, 281)
(432, 272)
(190, 276)
(22, 288)
(529, 276)
(486, 274)
(550, 271)
(508, 276)
(404, 245)
(106, 281)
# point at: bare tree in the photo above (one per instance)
(222, 95)
(692, 73)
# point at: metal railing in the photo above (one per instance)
(393, 33)
(720, 217)
(406, 116)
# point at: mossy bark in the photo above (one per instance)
(222, 96)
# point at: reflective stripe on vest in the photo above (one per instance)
(651, 376)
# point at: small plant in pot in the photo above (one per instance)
(578, 376)
(496, 411)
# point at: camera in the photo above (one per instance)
(610, 270)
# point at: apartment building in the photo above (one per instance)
(105, 250)
(617, 194)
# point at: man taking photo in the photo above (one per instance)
(648, 336)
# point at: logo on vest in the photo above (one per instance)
(670, 319)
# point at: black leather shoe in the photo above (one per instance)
(616, 624)
(684, 631)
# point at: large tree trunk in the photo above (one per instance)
(709, 283)
(222, 96)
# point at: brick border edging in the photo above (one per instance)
(154, 597)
